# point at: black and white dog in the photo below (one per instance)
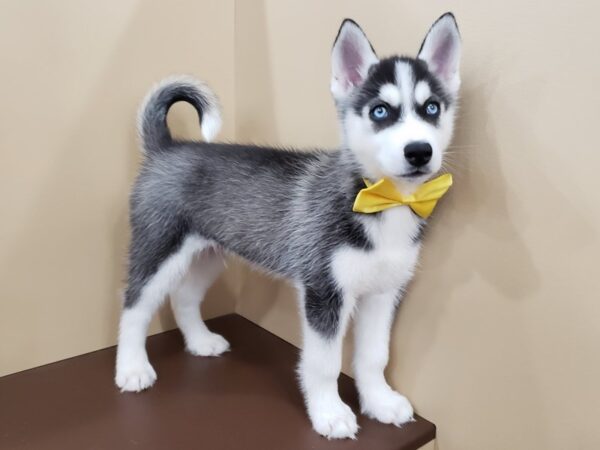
(290, 213)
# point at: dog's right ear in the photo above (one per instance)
(351, 58)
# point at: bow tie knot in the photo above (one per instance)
(383, 195)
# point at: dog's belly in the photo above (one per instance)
(389, 265)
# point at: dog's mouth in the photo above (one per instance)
(416, 174)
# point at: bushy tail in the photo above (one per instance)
(152, 116)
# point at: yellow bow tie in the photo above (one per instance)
(383, 195)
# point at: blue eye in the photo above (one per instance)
(379, 113)
(432, 108)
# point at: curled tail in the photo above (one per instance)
(152, 116)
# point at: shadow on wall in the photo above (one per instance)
(503, 260)
(479, 178)
(476, 159)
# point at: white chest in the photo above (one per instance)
(389, 265)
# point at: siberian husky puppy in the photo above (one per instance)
(291, 214)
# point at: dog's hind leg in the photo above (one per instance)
(151, 278)
(185, 301)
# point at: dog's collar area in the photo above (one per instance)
(383, 195)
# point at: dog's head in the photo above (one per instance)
(397, 113)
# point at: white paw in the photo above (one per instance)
(210, 344)
(334, 420)
(387, 406)
(134, 376)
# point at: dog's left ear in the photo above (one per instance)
(351, 57)
(441, 51)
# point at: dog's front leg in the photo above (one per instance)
(373, 323)
(325, 320)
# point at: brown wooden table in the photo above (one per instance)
(246, 399)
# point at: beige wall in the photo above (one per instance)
(73, 73)
(498, 340)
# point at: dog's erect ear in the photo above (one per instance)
(351, 58)
(441, 50)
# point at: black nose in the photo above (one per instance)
(417, 153)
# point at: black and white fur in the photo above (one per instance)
(290, 213)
